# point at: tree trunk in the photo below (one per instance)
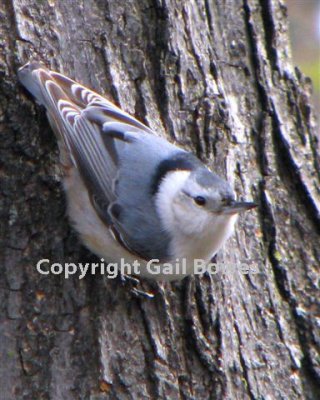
(216, 77)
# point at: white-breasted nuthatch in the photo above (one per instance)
(131, 194)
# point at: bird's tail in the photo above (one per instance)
(42, 82)
(68, 103)
(62, 97)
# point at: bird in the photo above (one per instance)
(132, 194)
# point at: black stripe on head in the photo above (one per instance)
(181, 161)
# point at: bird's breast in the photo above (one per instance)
(206, 243)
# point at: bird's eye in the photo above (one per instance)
(201, 201)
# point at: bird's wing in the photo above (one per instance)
(89, 125)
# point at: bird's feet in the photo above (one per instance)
(132, 284)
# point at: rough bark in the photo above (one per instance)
(215, 76)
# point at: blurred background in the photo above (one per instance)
(304, 20)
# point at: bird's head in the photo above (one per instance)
(197, 201)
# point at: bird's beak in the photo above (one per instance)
(238, 207)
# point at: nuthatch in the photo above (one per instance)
(131, 194)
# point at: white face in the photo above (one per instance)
(187, 207)
(198, 230)
(190, 215)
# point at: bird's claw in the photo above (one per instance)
(132, 283)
